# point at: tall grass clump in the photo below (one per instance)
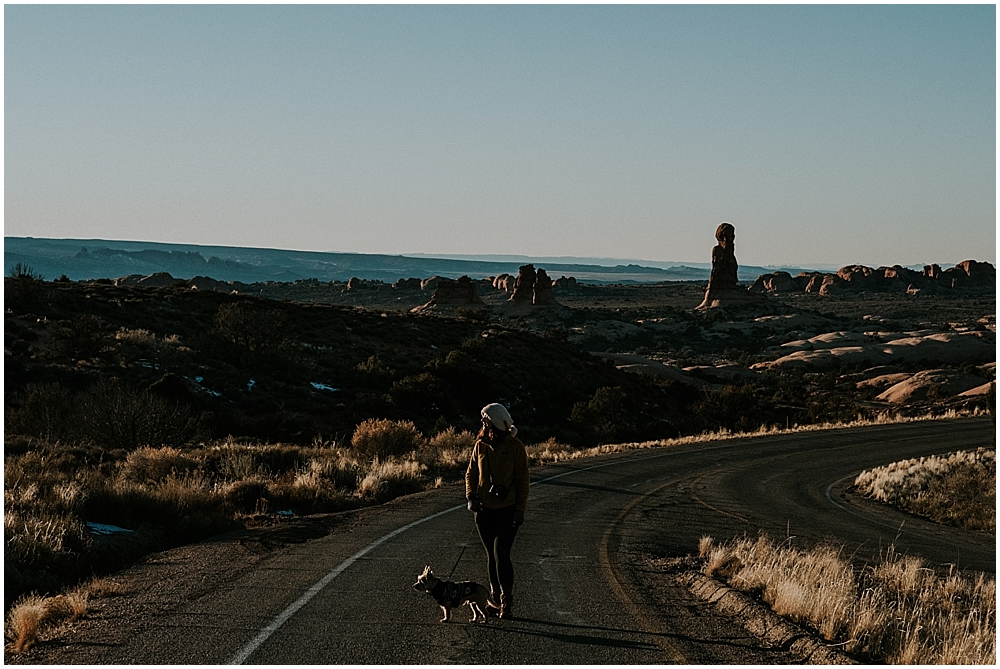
(381, 438)
(897, 611)
(958, 489)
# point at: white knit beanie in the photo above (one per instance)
(500, 417)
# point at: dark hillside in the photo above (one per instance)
(286, 371)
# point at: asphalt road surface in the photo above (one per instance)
(582, 595)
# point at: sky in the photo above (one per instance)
(825, 134)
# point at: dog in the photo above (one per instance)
(449, 594)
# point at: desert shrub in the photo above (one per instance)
(256, 336)
(374, 372)
(958, 489)
(421, 393)
(23, 287)
(896, 611)
(381, 438)
(608, 417)
(451, 439)
(82, 337)
(119, 415)
(43, 410)
(739, 408)
(154, 464)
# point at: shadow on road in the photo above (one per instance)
(746, 641)
(567, 484)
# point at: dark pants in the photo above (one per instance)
(496, 529)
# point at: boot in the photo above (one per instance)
(506, 606)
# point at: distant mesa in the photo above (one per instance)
(723, 284)
(895, 279)
(448, 293)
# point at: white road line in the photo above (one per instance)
(246, 651)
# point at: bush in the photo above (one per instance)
(154, 464)
(120, 415)
(83, 337)
(257, 336)
(381, 438)
(23, 287)
(43, 410)
(608, 417)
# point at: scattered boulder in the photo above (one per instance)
(354, 283)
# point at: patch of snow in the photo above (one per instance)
(107, 530)
(323, 386)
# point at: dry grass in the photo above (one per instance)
(957, 489)
(32, 615)
(380, 438)
(898, 611)
(550, 451)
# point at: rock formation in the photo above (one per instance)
(723, 284)
(895, 279)
(564, 283)
(504, 282)
(460, 293)
(524, 285)
(542, 294)
(407, 284)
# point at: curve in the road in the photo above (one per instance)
(731, 492)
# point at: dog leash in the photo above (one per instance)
(464, 546)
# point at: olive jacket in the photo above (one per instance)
(509, 464)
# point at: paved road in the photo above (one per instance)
(582, 595)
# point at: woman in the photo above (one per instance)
(496, 487)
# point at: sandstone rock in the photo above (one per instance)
(775, 282)
(524, 286)
(157, 280)
(728, 373)
(855, 273)
(130, 280)
(832, 284)
(723, 285)
(504, 282)
(932, 271)
(354, 283)
(407, 284)
(936, 383)
(431, 283)
(978, 390)
(460, 293)
(934, 348)
(565, 283)
(884, 380)
(542, 294)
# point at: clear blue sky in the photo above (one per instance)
(825, 134)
